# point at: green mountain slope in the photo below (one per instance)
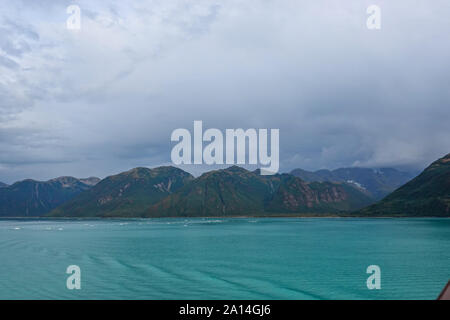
(236, 191)
(127, 194)
(233, 191)
(378, 182)
(295, 195)
(426, 195)
(30, 198)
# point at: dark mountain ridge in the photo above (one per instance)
(377, 182)
(127, 194)
(31, 198)
(426, 195)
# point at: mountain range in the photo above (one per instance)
(427, 194)
(236, 191)
(3, 184)
(30, 198)
(171, 192)
(377, 182)
(128, 194)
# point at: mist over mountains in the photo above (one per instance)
(427, 193)
(377, 182)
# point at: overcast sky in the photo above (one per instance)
(104, 99)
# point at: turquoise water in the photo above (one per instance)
(224, 258)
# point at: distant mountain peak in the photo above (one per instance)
(230, 171)
(428, 194)
(91, 181)
(378, 182)
(128, 193)
(236, 168)
(169, 170)
(66, 182)
(140, 172)
(35, 198)
(136, 172)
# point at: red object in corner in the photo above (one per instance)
(445, 294)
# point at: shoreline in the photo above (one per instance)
(229, 217)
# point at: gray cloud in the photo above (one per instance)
(8, 63)
(106, 98)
